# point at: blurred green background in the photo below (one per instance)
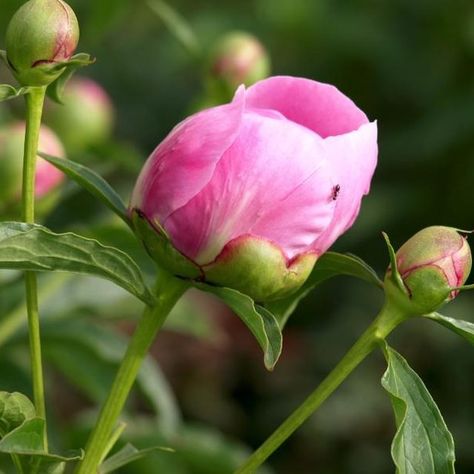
(409, 65)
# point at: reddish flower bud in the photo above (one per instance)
(11, 163)
(41, 34)
(239, 58)
(86, 117)
(431, 264)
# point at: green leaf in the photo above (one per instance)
(258, 319)
(329, 265)
(463, 328)
(36, 248)
(422, 443)
(26, 443)
(127, 455)
(56, 89)
(92, 182)
(15, 409)
(8, 92)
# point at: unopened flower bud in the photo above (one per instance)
(249, 194)
(41, 34)
(239, 58)
(11, 163)
(85, 119)
(432, 264)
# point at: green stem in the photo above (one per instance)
(34, 111)
(153, 318)
(382, 326)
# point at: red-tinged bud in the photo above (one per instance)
(41, 34)
(432, 264)
(48, 177)
(239, 58)
(86, 117)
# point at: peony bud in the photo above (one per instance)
(249, 194)
(431, 264)
(239, 58)
(11, 163)
(86, 117)
(41, 34)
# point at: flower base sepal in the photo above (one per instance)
(258, 268)
(161, 250)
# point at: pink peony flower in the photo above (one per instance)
(252, 192)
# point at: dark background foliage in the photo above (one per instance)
(408, 64)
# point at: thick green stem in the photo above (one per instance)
(169, 292)
(34, 111)
(383, 325)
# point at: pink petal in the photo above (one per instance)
(274, 182)
(352, 158)
(317, 106)
(184, 162)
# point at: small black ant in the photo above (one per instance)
(335, 192)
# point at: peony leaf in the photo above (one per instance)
(127, 455)
(463, 328)
(329, 265)
(26, 445)
(422, 443)
(92, 182)
(258, 319)
(8, 92)
(36, 248)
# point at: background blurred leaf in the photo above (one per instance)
(88, 356)
(423, 443)
(127, 455)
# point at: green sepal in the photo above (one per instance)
(56, 89)
(422, 443)
(127, 455)
(458, 326)
(258, 268)
(159, 247)
(261, 322)
(394, 274)
(8, 92)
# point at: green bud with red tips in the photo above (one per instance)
(430, 269)
(41, 36)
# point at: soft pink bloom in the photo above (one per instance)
(288, 161)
